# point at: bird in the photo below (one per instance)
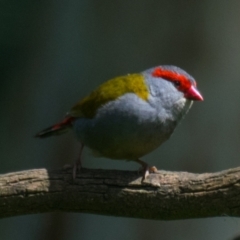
(129, 116)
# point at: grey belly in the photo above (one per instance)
(121, 138)
(127, 128)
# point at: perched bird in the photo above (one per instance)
(128, 117)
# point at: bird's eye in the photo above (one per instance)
(177, 83)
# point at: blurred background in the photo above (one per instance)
(52, 53)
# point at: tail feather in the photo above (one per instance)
(56, 129)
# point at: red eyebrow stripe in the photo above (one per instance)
(172, 76)
(169, 75)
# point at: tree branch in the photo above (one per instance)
(164, 196)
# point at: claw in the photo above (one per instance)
(76, 168)
(78, 164)
(146, 169)
(153, 169)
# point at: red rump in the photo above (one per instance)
(66, 121)
(56, 129)
(181, 81)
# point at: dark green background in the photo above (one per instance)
(52, 53)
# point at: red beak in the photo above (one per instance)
(193, 94)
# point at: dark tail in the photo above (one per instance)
(56, 129)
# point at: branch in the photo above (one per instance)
(163, 196)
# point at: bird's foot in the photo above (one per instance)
(153, 169)
(76, 168)
(78, 164)
(146, 169)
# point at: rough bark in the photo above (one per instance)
(164, 195)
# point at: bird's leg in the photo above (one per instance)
(146, 169)
(78, 164)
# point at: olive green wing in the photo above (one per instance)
(109, 91)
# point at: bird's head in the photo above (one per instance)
(181, 80)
